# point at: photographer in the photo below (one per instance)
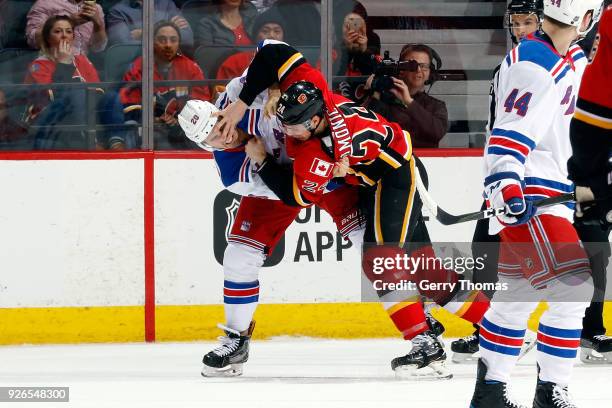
(401, 96)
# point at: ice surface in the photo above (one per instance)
(283, 372)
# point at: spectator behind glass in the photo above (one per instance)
(229, 24)
(124, 21)
(170, 64)
(268, 25)
(424, 116)
(59, 106)
(342, 9)
(88, 17)
(354, 55)
(11, 131)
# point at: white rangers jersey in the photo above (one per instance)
(233, 165)
(536, 98)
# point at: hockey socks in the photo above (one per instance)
(240, 300)
(500, 347)
(557, 349)
(408, 317)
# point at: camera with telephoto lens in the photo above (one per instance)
(386, 70)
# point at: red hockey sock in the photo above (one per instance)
(409, 318)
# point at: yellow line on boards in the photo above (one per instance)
(195, 323)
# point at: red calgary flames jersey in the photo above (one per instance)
(597, 74)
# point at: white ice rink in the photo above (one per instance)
(280, 373)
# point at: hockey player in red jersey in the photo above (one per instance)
(590, 168)
(379, 157)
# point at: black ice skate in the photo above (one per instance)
(465, 349)
(227, 359)
(491, 394)
(551, 395)
(596, 350)
(426, 359)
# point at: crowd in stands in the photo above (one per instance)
(207, 41)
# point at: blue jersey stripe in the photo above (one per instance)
(240, 300)
(503, 331)
(514, 135)
(557, 352)
(562, 74)
(240, 285)
(502, 152)
(563, 333)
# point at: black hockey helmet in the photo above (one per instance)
(523, 7)
(299, 103)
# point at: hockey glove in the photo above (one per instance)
(508, 193)
(591, 210)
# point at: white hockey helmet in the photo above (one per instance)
(572, 12)
(197, 122)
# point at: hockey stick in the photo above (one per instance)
(449, 219)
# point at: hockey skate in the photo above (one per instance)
(596, 350)
(227, 359)
(466, 350)
(491, 394)
(551, 395)
(426, 360)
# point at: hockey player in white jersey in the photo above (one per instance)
(540, 253)
(261, 219)
(523, 17)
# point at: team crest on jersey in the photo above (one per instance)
(302, 99)
(321, 168)
(245, 226)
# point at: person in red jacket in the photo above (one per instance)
(50, 108)
(170, 64)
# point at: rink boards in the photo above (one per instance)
(104, 248)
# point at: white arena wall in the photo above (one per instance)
(76, 263)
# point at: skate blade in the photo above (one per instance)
(434, 371)
(465, 358)
(590, 356)
(232, 370)
(529, 343)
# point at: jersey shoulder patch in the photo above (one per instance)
(534, 51)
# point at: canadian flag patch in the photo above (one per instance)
(321, 168)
